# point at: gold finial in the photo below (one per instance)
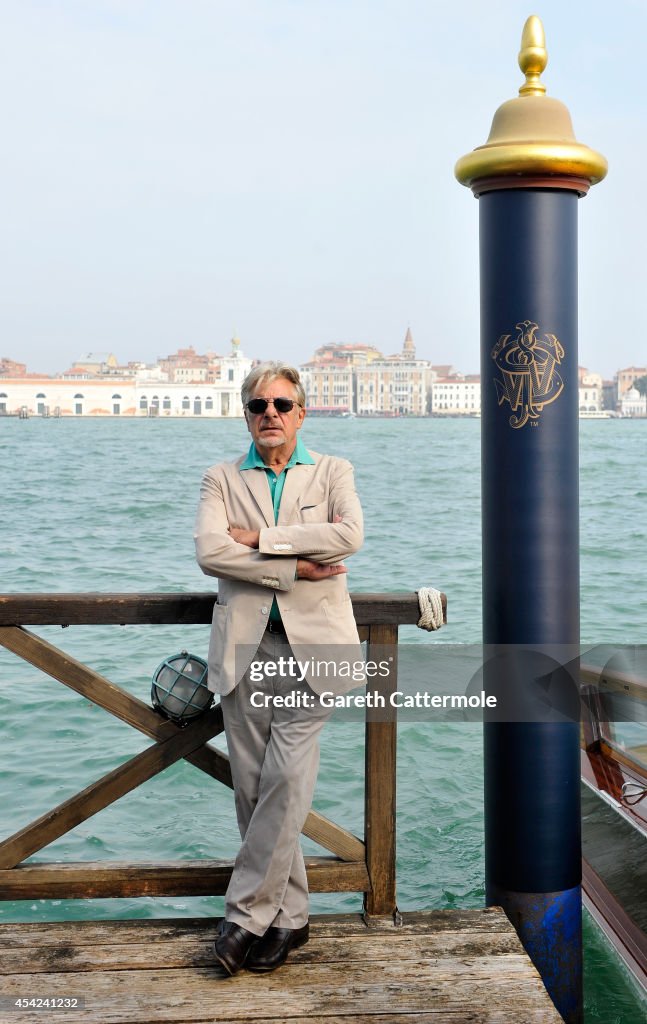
(533, 56)
(531, 142)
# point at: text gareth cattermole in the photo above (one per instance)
(294, 668)
(373, 699)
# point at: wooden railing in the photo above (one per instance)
(356, 865)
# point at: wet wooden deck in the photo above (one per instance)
(454, 966)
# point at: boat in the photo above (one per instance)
(614, 800)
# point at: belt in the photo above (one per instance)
(275, 627)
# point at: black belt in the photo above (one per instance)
(275, 627)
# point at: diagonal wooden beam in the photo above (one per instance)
(84, 680)
(107, 790)
(95, 687)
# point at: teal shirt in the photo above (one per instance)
(276, 485)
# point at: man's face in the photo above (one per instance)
(273, 429)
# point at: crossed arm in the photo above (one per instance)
(306, 569)
(276, 556)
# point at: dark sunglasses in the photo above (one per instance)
(259, 405)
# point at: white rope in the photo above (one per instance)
(431, 608)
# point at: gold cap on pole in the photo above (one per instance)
(531, 142)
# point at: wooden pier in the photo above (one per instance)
(379, 967)
(463, 967)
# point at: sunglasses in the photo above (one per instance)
(259, 405)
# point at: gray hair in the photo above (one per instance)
(265, 373)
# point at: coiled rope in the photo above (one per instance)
(431, 608)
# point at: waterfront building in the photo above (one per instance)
(590, 391)
(329, 387)
(394, 386)
(9, 368)
(94, 364)
(55, 396)
(456, 395)
(142, 392)
(185, 366)
(625, 380)
(633, 403)
(98, 386)
(360, 379)
(351, 355)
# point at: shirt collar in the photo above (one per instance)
(300, 455)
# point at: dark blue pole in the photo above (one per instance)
(528, 177)
(529, 376)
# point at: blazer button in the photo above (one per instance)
(264, 610)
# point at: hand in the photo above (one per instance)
(248, 537)
(307, 570)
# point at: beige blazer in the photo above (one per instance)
(318, 616)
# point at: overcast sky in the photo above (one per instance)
(177, 170)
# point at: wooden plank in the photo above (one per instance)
(171, 609)
(105, 879)
(452, 1015)
(95, 687)
(380, 781)
(351, 991)
(195, 949)
(108, 789)
(484, 921)
(433, 968)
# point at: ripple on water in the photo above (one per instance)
(96, 506)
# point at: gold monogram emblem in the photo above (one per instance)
(529, 379)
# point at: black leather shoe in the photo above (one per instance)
(272, 950)
(232, 946)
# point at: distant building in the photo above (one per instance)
(8, 368)
(143, 392)
(396, 386)
(329, 387)
(359, 379)
(352, 355)
(58, 397)
(625, 380)
(590, 391)
(633, 403)
(456, 395)
(94, 364)
(186, 366)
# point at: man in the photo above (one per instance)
(274, 527)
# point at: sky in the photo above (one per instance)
(179, 171)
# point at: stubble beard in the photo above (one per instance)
(270, 442)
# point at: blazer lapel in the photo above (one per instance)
(296, 482)
(256, 482)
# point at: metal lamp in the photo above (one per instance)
(179, 689)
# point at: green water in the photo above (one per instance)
(98, 505)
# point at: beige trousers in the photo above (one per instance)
(274, 756)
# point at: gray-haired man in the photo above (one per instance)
(274, 527)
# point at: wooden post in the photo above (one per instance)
(380, 784)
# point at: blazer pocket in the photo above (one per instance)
(314, 513)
